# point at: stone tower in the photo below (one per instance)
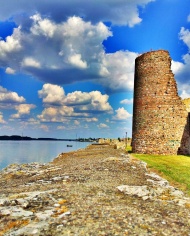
(159, 115)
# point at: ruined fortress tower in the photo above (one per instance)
(160, 120)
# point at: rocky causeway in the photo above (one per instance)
(99, 190)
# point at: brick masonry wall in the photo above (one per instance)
(185, 142)
(159, 115)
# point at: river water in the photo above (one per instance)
(34, 151)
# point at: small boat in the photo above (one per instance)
(68, 145)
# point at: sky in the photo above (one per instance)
(67, 67)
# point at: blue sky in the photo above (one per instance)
(67, 67)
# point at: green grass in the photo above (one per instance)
(129, 148)
(174, 168)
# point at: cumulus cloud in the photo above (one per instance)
(61, 106)
(182, 69)
(52, 94)
(78, 101)
(23, 110)
(185, 36)
(77, 61)
(73, 52)
(54, 114)
(117, 70)
(9, 70)
(93, 119)
(123, 12)
(121, 114)
(43, 27)
(9, 96)
(98, 103)
(71, 48)
(184, 90)
(30, 62)
(102, 126)
(11, 45)
(177, 67)
(127, 101)
(77, 98)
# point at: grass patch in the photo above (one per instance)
(129, 149)
(174, 168)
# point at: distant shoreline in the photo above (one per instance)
(20, 138)
(26, 138)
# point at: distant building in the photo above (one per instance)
(161, 122)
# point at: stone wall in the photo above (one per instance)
(115, 143)
(186, 101)
(159, 115)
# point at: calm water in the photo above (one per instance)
(34, 151)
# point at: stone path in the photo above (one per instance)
(94, 191)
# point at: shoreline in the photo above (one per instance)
(98, 190)
(25, 152)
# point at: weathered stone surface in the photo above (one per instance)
(158, 190)
(76, 195)
(160, 119)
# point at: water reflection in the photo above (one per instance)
(34, 151)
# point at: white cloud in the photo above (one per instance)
(122, 114)
(9, 71)
(77, 61)
(56, 52)
(123, 12)
(94, 119)
(182, 69)
(42, 26)
(118, 69)
(2, 121)
(177, 67)
(80, 101)
(184, 90)
(30, 62)
(23, 110)
(102, 126)
(77, 98)
(75, 26)
(127, 101)
(10, 97)
(55, 114)
(12, 44)
(67, 52)
(98, 103)
(77, 104)
(82, 42)
(185, 36)
(188, 18)
(52, 94)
